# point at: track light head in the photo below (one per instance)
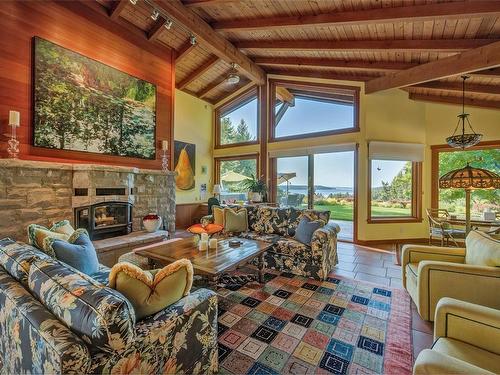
(168, 24)
(155, 15)
(192, 40)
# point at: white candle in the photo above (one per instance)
(212, 243)
(164, 145)
(203, 245)
(14, 118)
(204, 237)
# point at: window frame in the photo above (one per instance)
(324, 90)
(233, 104)
(436, 150)
(416, 199)
(219, 159)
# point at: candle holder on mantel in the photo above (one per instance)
(164, 158)
(13, 143)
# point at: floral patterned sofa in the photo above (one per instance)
(56, 320)
(277, 225)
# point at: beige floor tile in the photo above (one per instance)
(346, 266)
(394, 272)
(372, 270)
(396, 283)
(371, 278)
(340, 272)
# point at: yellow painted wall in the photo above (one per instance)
(391, 116)
(193, 124)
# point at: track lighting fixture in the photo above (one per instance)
(192, 39)
(133, 2)
(168, 24)
(155, 15)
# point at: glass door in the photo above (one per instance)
(292, 180)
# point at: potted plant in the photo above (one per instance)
(257, 189)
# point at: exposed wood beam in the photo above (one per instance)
(207, 65)
(455, 100)
(182, 53)
(117, 8)
(322, 74)
(156, 29)
(285, 96)
(457, 86)
(281, 112)
(205, 3)
(427, 45)
(212, 86)
(488, 73)
(211, 40)
(477, 59)
(239, 88)
(414, 13)
(332, 63)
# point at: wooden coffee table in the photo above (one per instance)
(211, 263)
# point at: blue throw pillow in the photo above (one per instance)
(306, 229)
(78, 252)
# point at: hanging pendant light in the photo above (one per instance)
(233, 78)
(464, 140)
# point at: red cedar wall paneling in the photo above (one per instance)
(82, 29)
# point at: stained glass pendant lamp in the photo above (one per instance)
(469, 178)
(463, 140)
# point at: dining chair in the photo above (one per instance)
(441, 228)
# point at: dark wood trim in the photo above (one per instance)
(436, 150)
(262, 116)
(356, 195)
(218, 159)
(324, 89)
(231, 104)
(273, 170)
(416, 199)
(454, 100)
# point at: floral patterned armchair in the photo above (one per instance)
(54, 319)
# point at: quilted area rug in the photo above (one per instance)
(294, 325)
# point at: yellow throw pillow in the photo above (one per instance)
(218, 213)
(63, 227)
(482, 250)
(235, 221)
(152, 291)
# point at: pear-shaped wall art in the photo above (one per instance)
(184, 161)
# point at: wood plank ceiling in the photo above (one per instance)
(340, 39)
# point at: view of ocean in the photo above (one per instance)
(321, 190)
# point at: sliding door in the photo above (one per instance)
(292, 181)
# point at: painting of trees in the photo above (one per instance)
(83, 105)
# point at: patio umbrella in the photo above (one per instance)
(286, 177)
(232, 176)
(469, 178)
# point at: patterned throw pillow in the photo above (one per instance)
(152, 291)
(38, 233)
(306, 229)
(235, 221)
(218, 213)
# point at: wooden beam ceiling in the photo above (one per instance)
(454, 100)
(156, 29)
(285, 96)
(202, 69)
(205, 3)
(477, 59)
(414, 13)
(332, 63)
(210, 39)
(488, 73)
(182, 53)
(117, 8)
(427, 45)
(322, 74)
(212, 86)
(457, 86)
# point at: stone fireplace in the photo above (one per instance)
(43, 193)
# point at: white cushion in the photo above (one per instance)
(482, 249)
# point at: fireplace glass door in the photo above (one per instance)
(109, 215)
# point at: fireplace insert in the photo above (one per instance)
(104, 220)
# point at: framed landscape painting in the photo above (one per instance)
(83, 105)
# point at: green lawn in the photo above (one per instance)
(344, 211)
